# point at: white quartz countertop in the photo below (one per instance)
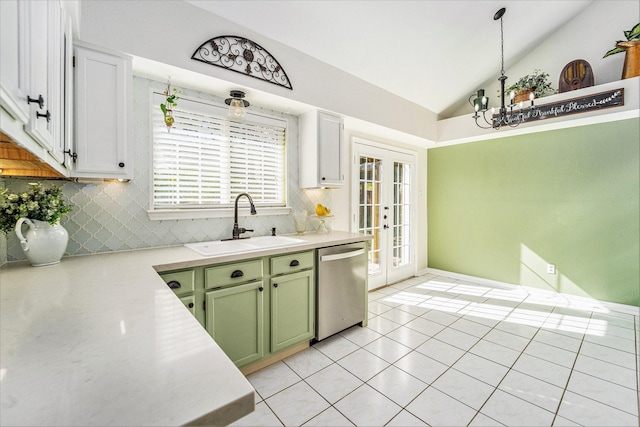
(101, 340)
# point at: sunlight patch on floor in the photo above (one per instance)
(466, 299)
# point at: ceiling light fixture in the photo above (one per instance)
(237, 105)
(506, 116)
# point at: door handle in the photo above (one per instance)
(344, 255)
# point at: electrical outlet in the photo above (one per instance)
(551, 268)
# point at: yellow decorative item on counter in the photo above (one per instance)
(322, 210)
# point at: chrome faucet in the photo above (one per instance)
(237, 231)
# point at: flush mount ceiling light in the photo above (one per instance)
(506, 116)
(237, 105)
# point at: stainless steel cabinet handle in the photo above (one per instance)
(343, 255)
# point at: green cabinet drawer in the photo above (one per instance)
(291, 263)
(230, 274)
(190, 303)
(182, 282)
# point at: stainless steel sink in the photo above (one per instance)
(220, 247)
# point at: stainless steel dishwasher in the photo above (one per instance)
(342, 287)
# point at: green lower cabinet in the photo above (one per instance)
(190, 303)
(292, 309)
(252, 308)
(235, 320)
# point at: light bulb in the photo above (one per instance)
(236, 109)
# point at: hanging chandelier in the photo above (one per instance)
(506, 115)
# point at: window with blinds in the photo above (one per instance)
(206, 160)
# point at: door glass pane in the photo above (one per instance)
(401, 214)
(369, 208)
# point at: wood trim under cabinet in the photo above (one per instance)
(263, 363)
(16, 161)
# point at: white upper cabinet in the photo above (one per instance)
(321, 147)
(14, 58)
(44, 72)
(103, 85)
(32, 80)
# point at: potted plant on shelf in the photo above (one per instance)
(40, 209)
(631, 46)
(537, 83)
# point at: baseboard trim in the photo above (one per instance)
(613, 306)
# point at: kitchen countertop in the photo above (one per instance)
(101, 340)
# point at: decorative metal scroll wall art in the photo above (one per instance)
(243, 56)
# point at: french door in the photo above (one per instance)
(384, 207)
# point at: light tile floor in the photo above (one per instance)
(443, 352)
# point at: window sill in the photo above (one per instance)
(171, 214)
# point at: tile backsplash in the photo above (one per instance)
(112, 216)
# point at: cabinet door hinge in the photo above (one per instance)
(204, 305)
(73, 61)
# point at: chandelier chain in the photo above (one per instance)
(501, 48)
(511, 114)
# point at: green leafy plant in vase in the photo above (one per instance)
(631, 46)
(38, 202)
(167, 106)
(40, 209)
(537, 83)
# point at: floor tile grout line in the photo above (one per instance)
(467, 351)
(495, 388)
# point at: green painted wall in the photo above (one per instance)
(502, 209)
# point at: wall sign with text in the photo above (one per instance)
(596, 101)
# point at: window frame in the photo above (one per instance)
(223, 211)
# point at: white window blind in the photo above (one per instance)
(206, 160)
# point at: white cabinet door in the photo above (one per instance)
(44, 71)
(321, 146)
(64, 133)
(14, 58)
(330, 138)
(103, 97)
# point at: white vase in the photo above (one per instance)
(43, 243)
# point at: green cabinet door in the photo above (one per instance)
(190, 303)
(292, 309)
(234, 317)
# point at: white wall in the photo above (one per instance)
(588, 36)
(170, 31)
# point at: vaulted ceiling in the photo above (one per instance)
(432, 52)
